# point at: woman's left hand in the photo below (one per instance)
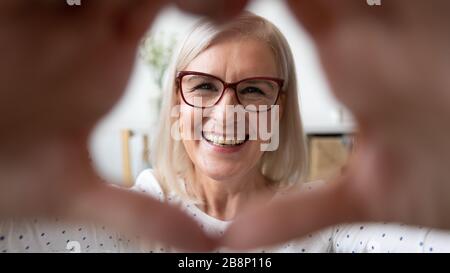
(389, 65)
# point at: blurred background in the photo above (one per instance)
(120, 145)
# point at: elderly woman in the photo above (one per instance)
(230, 135)
(204, 163)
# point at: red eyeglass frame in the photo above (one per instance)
(226, 85)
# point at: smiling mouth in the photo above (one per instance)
(223, 141)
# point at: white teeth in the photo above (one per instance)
(220, 140)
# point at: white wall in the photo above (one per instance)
(321, 112)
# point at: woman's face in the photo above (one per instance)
(230, 60)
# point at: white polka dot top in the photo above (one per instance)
(56, 235)
(353, 238)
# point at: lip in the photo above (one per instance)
(223, 149)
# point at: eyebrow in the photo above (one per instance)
(194, 77)
(254, 81)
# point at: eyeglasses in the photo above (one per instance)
(203, 90)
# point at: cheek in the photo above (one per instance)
(264, 124)
(273, 117)
(190, 134)
(254, 152)
(190, 122)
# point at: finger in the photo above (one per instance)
(219, 10)
(138, 214)
(315, 16)
(291, 217)
(137, 17)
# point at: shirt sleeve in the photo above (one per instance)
(147, 183)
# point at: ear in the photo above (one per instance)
(282, 103)
(178, 97)
(177, 92)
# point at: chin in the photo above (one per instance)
(222, 173)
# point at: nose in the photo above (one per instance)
(228, 98)
(225, 119)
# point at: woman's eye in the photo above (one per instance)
(252, 90)
(205, 86)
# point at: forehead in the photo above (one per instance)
(236, 58)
